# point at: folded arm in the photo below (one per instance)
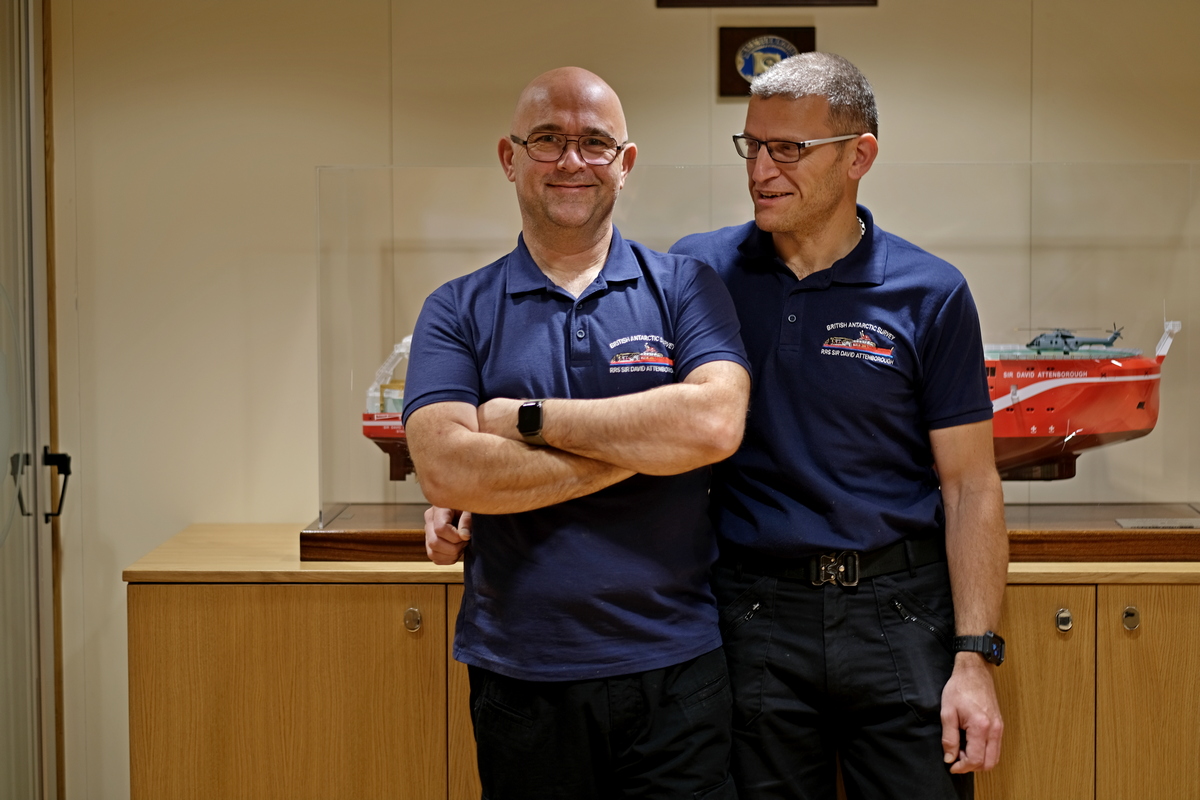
(977, 552)
(462, 467)
(662, 431)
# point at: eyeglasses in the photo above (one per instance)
(593, 149)
(781, 152)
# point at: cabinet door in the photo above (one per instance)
(1148, 693)
(287, 691)
(1047, 696)
(464, 774)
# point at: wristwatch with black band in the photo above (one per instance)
(990, 646)
(529, 422)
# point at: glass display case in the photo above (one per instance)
(1085, 249)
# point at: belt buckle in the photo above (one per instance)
(840, 568)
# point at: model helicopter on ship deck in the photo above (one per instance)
(1061, 394)
(1066, 340)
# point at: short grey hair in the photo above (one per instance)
(851, 98)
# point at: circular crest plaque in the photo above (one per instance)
(761, 53)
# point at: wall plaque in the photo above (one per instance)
(743, 53)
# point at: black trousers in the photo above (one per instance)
(821, 673)
(663, 734)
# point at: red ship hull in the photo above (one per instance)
(1048, 410)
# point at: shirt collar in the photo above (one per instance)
(865, 265)
(524, 275)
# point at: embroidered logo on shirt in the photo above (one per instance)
(650, 358)
(866, 346)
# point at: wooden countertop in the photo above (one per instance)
(270, 553)
(249, 553)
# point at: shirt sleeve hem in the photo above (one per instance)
(715, 355)
(438, 397)
(965, 418)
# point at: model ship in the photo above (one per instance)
(1052, 398)
(385, 406)
(1061, 394)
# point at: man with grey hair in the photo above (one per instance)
(863, 546)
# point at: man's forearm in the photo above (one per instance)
(661, 431)
(976, 535)
(486, 474)
(977, 552)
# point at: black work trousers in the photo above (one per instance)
(856, 673)
(663, 734)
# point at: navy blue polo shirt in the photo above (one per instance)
(852, 367)
(617, 581)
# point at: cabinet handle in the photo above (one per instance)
(1063, 619)
(412, 620)
(1131, 618)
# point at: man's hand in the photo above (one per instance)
(447, 533)
(498, 416)
(969, 704)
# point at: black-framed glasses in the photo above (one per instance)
(594, 149)
(781, 152)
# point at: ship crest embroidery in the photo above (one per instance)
(652, 357)
(865, 347)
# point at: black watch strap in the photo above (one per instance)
(990, 646)
(529, 422)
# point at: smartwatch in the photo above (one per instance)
(529, 422)
(990, 646)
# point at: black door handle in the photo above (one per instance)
(62, 463)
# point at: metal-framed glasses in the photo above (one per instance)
(781, 152)
(594, 149)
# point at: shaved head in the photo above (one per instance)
(569, 88)
(566, 202)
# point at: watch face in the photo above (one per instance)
(995, 649)
(529, 419)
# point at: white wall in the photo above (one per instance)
(186, 136)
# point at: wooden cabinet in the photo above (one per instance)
(254, 677)
(1047, 692)
(464, 776)
(1148, 693)
(1100, 711)
(253, 674)
(287, 691)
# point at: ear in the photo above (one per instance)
(628, 156)
(866, 148)
(506, 150)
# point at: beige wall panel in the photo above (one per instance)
(952, 79)
(976, 216)
(460, 65)
(188, 213)
(1116, 81)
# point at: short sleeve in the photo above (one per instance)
(954, 388)
(707, 327)
(442, 365)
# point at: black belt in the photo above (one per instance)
(844, 567)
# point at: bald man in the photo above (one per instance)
(570, 397)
